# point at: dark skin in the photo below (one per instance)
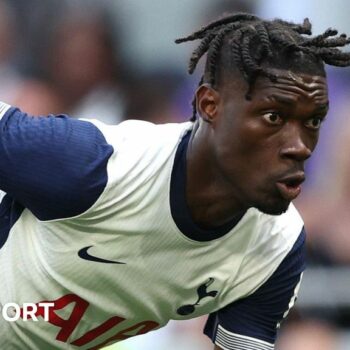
(251, 153)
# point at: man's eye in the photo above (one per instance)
(313, 123)
(273, 118)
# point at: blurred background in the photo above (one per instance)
(116, 59)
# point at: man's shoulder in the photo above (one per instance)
(142, 132)
(268, 241)
(141, 163)
(141, 148)
(271, 238)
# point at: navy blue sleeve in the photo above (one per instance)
(252, 322)
(55, 166)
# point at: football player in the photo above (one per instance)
(108, 232)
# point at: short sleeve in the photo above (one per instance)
(55, 166)
(252, 322)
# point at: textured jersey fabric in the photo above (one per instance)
(87, 222)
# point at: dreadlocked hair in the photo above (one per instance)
(245, 42)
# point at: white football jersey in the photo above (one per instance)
(89, 223)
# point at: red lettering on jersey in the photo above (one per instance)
(146, 326)
(67, 326)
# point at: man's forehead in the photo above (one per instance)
(306, 80)
(290, 85)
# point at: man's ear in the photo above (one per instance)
(207, 100)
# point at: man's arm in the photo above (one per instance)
(55, 166)
(252, 322)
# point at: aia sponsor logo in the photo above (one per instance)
(66, 326)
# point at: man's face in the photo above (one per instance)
(261, 145)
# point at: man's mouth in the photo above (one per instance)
(290, 186)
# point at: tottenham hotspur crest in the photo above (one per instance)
(202, 292)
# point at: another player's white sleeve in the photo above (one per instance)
(55, 166)
(253, 322)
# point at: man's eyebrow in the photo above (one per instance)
(323, 107)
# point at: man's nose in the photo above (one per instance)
(294, 146)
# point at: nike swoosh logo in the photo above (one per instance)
(83, 253)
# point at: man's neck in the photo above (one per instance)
(211, 199)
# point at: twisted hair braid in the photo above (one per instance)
(252, 45)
